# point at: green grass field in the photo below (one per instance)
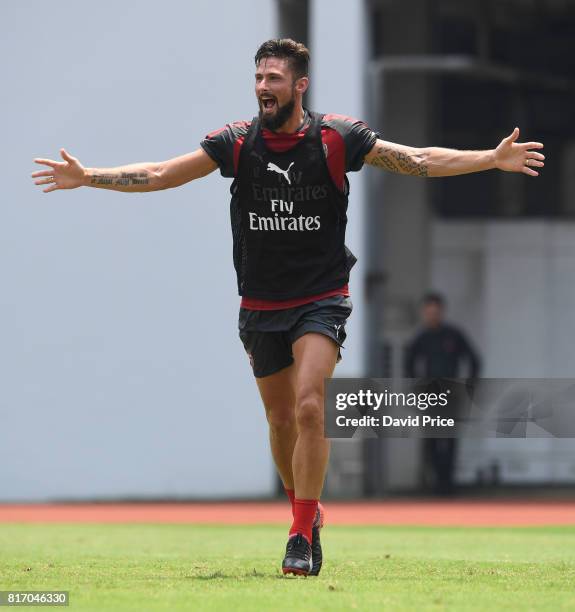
(185, 567)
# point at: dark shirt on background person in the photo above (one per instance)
(437, 352)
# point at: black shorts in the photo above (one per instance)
(268, 335)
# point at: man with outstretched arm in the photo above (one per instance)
(288, 215)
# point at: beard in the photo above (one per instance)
(282, 114)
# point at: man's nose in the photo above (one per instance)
(261, 86)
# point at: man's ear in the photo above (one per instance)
(302, 84)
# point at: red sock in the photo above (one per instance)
(291, 494)
(304, 513)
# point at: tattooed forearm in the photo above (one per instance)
(122, 178)
(131, 179)
(395, 160)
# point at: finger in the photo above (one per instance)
(535, 155)
(530, 172)
(531, 145)
(42, 173)
(46, 162)
(45, 181)
(514, 135)
(65, 155)
(51, 188)
(536, 163)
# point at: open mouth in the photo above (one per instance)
(268, 103)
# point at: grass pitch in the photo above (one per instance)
(188, 567)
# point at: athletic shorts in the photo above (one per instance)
(268, 335)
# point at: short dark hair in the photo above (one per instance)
(296, 53)
(432, 297)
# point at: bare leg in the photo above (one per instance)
(277, 392)
(315, 358)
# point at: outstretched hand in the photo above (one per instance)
(62, 175)
(513, 156)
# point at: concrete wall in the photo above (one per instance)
(122, 373)
(337, 86)
(511, 285)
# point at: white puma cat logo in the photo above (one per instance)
(273, 168)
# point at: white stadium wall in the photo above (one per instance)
(122, 372)
(511, 285)
(337, 86)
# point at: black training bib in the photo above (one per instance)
(288, 219)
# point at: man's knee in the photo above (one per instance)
(309, 412)
(280, 418)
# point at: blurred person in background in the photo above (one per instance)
(438, 350)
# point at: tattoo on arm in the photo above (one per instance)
(398, 161)
(124, 178)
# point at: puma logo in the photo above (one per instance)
(273, 168)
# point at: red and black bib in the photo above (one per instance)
(288, 219)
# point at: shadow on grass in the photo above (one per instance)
(218, 575)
